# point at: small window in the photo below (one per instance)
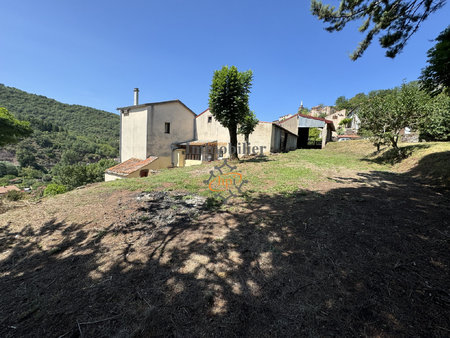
(143, 173)
(167, 128)
(209, 119)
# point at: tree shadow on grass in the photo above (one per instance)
(361, 260)
(434, 169)
(392, 156)
(255, 159)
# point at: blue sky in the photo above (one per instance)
(94, 53)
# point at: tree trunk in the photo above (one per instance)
(394, 142)
(233, 142)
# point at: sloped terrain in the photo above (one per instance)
(349, 252)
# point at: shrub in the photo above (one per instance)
(47, 178)
(7, 169)
(76, 175)
(54, 189)
(345, 121)
(314, 134)
(14, 195)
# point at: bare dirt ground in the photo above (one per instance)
(359, 255)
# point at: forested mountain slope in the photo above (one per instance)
(72, 132)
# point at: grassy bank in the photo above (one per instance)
(303, 168)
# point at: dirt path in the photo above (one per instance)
(362, 254)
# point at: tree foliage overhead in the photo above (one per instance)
(394, 20)
(11, 129)
(435, 77)
(228, 100)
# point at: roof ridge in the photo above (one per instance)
(154, 103)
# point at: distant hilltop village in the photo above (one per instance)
(166, 134)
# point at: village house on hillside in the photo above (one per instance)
(148, 134)
(168, 134)
(322, 111)
(330, 113)
(336, 117)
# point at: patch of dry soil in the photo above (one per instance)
(364, 255)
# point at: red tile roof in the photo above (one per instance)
(8, 188)
(130, 166)
(203, 112)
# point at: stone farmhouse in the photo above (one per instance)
(168, 134)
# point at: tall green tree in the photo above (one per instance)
(385, 113)
(435, 124)
(373, 115)
(394, 20)
(11, 129)
(350, 105)
(435, 77)
(341, 103)
(228, 100)
(248, 125)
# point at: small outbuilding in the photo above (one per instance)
(302, 123)
(132, 167)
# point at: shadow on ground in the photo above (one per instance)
(255, 159)
(370, 259)
(434, 168)
(392, 156)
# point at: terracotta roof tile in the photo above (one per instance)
(203, 112)
(8, 188)
(130, 166)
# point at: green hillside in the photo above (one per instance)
(73, 132)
